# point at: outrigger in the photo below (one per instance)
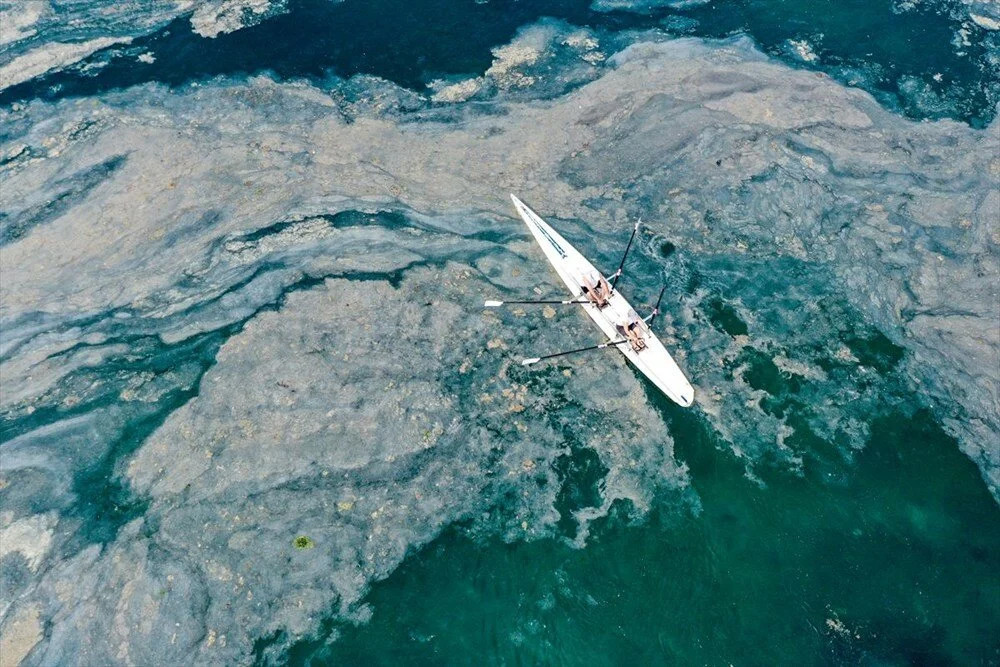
(624, 328)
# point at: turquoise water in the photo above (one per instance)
(887, 560)
(253, 412)
(889, 555)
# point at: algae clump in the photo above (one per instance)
(303, 542)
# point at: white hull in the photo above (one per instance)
(654, 361)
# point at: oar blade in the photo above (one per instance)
(530, 361)
(492, 304)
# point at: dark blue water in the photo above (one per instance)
(905, 58)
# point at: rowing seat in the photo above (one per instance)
(593, 299)
(637, 346)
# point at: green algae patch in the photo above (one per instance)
(303, 542)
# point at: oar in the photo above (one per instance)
(618, 273)
(535, 360)
(497, 304)
(656, 308)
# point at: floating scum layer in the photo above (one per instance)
(245, 312)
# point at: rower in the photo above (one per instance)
(599, 293)
(632, 328)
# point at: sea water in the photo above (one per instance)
(254, 412)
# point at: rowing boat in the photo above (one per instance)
(653, 360)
